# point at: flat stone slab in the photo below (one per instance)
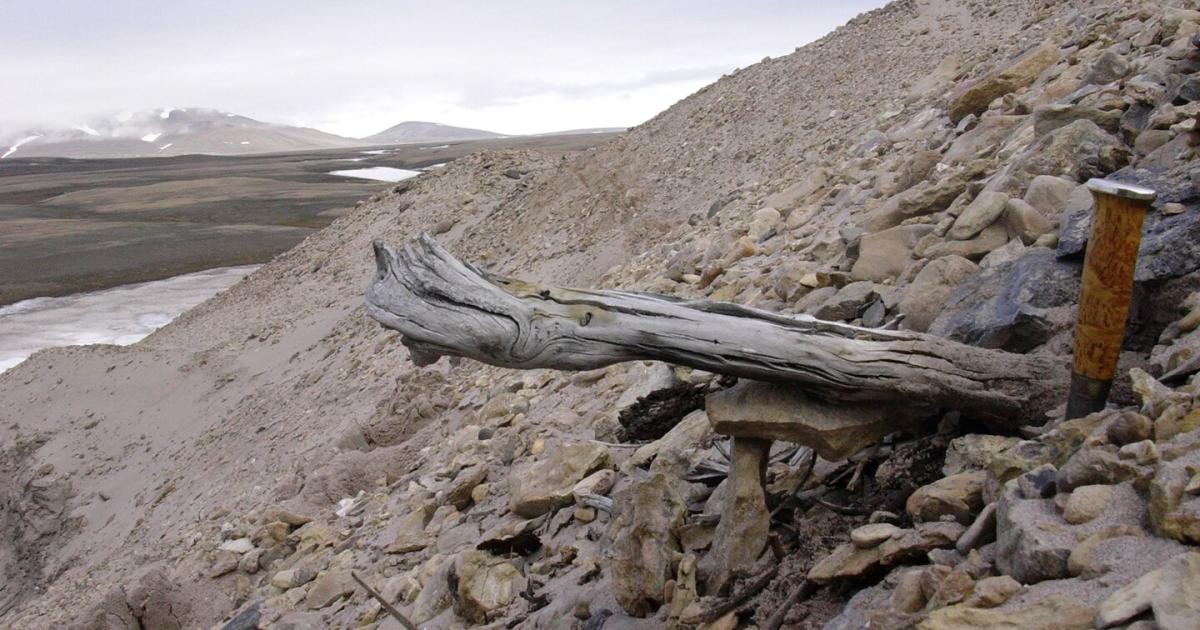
(779, 412)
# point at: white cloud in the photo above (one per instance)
(515, 67)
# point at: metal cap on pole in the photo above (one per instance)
(1107, 291)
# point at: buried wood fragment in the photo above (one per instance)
(445, 307)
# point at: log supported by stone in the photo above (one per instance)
(443, 306)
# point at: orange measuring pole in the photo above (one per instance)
(1107, 291)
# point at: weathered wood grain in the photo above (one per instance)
(443, 306)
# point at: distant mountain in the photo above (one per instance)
(168, 132)
(415, 132)
(571, 132)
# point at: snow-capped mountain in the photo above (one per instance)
(167, 132)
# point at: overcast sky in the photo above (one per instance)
(357, 67)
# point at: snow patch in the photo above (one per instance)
(165, 146)
(16, 145)
(88, 130)
(166, 113)
(245, 142)
(121, 316)
(377, 173)
(151, 137)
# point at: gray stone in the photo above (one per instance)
(435, 595)
(741, 534)
(883, 255)
(1039, 483)
(1176, 599)
(928, 292)
(546, 484)
(1080, 150)
(1049, 194)
(1092, 466)
(329, 586)
(1086, 503)
(1106, 68)
(1128, 601)
(1170, 242)
(486, 584)
(846, 562)
(927, 197)
(981, 531)
(646, 519)
(975, 451)
(974, 97)
(991, 238)
(1005, 306)
(1173, 512)
(980, 213)
(982, 141)
(914, 543)
(1032, 544)
(1025, 222)
(848, 303)
(873, 534)
(1047, 118)
(958, 496)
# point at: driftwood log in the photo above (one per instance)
(443, 306)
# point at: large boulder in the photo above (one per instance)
(1007, 306)
(1170, 242)
(757, 409)
(927, 294)
(974, 97)
(546, 484)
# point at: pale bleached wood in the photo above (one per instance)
(443, 306)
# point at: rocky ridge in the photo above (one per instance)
(301, 448)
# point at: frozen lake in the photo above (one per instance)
(121, 316)
(377, 173)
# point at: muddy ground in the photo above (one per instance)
(69, 225)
